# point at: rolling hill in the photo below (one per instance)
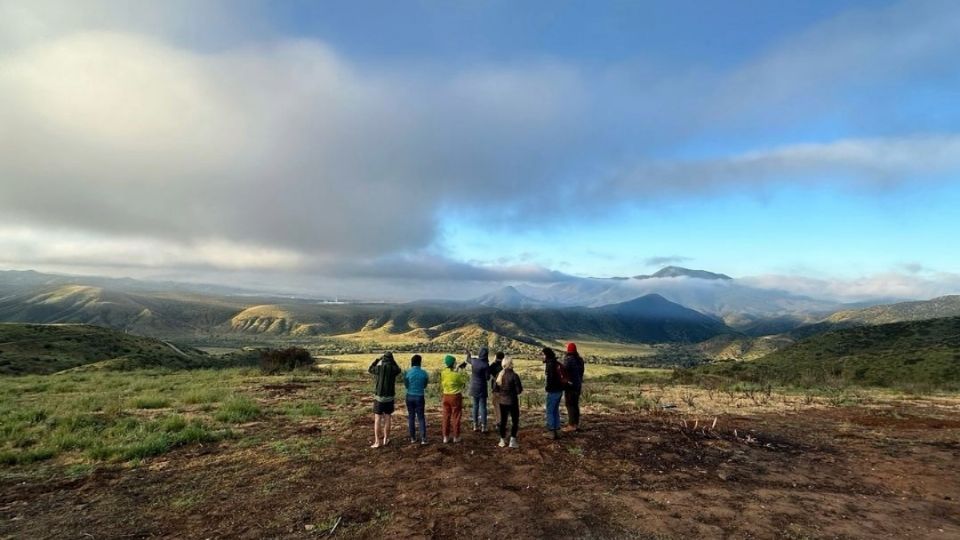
(944, 306)
(647, 320)
(924, 352)
(157, 314)
(38, 348)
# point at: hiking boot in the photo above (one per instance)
(552, 434)
(502, 442)
(514, 443)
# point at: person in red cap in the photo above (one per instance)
(571, 395)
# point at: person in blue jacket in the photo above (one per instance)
(415, 380)
(480, 373)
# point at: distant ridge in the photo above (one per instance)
(678, 271)
(509, 298)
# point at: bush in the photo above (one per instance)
(289, 359)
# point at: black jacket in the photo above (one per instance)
(551, 369)
(574, 365)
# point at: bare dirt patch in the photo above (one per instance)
(833, 473)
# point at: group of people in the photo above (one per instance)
(564, 380)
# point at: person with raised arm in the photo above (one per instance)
(479, 373)
(385, 372)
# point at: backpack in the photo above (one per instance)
(563, 375)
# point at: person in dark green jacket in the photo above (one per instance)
(385, 372)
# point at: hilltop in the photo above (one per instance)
(41, 349)
(925, 352)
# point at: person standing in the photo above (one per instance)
(555, 375)
(508, 393)
(479, 373)
(452, 381)
(495, 368)
(571, 394)
(415, 380)
(385, 372)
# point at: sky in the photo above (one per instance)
(426, 148)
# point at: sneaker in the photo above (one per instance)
(423, 442)
(376, 444)
(456, 439)
(569, 427)
(502, 443)
(413, 441)
(514, 443)
(446, 440)
(476, 428)
(483, 428)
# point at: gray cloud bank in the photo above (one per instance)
(284, 154)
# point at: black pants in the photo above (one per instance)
(572, 400)
(514, 411)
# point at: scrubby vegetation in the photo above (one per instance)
(289, 359)
(39, 349)
(912, 355)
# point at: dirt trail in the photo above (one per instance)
(845, 473)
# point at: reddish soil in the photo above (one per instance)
(826, 473)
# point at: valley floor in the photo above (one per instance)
(879, 469)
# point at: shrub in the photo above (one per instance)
(289, 359)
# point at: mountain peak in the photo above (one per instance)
(508, 297)
(679, 271)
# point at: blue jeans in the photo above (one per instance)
(415, 412)
(553, 410)
(480, 411)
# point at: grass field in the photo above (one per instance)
(173, 453)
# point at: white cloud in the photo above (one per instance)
(894, 285)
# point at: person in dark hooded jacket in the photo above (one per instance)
(554, 388)
(385, 372)
(571, 394)
(480, 372)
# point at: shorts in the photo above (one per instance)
(382, 407)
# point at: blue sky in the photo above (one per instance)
(482, 142)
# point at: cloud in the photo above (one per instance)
(865, 164)
(284, 153)
(284, 144)
(883, 285)
(665, 260)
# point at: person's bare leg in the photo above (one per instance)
(386, 428)
(376, 431)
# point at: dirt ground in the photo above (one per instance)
(849, 472)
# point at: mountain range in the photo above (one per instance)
(672, 305)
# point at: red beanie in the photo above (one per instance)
(571, 347)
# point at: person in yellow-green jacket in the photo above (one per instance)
(452, 381)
